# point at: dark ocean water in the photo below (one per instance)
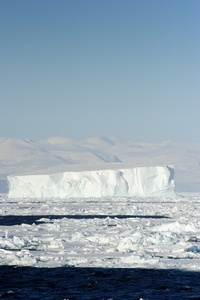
(97, 283)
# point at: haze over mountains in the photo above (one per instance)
(58, 154)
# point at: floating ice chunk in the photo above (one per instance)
(135, 182)
(13, 242)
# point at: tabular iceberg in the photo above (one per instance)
(135, 182)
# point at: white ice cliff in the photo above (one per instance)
(136, 182)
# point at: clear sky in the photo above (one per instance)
(84, 68)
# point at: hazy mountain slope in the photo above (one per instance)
(56, 154)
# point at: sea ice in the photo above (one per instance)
(153, 236)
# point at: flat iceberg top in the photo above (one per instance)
(134, 182)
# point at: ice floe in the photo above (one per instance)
(95, 232)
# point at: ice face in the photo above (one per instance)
(139, 182)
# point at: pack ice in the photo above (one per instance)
(138, 182)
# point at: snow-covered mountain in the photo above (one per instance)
(58, 154)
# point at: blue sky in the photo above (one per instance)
(84, 68)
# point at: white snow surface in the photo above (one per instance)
(139, 182)
(102, 232)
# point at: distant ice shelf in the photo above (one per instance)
(135, 182)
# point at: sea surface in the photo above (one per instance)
(97, 283)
